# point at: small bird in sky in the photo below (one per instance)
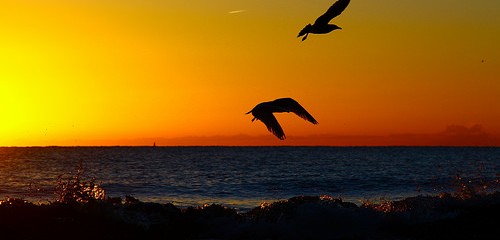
(321, 25)
(264, 112)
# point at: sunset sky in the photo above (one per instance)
(134, 72)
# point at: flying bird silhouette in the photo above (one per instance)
(321, 25)
(264, 112)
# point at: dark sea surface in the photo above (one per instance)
(243, 177)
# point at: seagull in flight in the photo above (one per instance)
(321, 25)
(264, 112)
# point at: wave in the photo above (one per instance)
(302, 217)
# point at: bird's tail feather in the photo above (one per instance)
(304, 30)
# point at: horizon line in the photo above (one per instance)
(230, 146)
(440, 139)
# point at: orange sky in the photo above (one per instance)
(108, 72)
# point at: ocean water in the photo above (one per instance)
(243, 177)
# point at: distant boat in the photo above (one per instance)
(264, 112)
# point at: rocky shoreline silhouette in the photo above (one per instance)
(303, 217)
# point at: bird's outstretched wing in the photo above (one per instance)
(295, 107)
(336, 9)
(272, 124)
